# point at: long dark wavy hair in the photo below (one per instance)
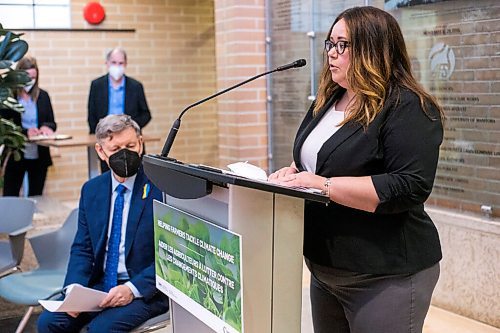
(379, 65)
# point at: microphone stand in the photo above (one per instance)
(177, 123)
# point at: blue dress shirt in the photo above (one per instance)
(29, 119)
(116, 103)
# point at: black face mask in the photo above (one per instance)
(125, 163)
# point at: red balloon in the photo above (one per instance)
(93, 13)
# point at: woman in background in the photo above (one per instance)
(371, 142)
(37, 119)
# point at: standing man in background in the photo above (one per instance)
(116, 93)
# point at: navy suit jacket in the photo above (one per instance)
(135, 102)
(87, 252)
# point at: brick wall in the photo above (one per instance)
(172, 52)
(240, 53)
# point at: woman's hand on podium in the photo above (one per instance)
(282, 173)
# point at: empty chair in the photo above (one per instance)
(16, 218)
(153, 324)
(52, 251)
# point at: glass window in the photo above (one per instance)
(290, 22)
(298, 30)
(16, 16)
(454, 47)
(455, 55)
(52, 17)
(16, 2)
(32, 14)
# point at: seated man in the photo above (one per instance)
(113, 250)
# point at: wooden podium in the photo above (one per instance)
(269, 219)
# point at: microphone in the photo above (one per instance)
(177, 123)
(295, 64)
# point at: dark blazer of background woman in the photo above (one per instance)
(45, 117)
(398, 237)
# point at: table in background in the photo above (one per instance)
(87, 141)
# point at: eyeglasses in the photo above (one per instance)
(340, 46)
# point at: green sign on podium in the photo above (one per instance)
(198, 265)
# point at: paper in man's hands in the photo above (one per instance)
(78, 299)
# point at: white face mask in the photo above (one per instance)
(30, 85)
(116, 72)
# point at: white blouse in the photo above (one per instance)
(325, 128)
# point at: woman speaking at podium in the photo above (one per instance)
(371, 142)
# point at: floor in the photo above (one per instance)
(437, 321)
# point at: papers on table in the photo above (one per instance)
(78, 299)
(50, 137)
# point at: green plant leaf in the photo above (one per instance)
(16, 50)
(232, 316)
(163, 268)
(13, 35)
(194, 293)
(200, 230)
(183, 225)
(12, 48)
(218, 297)
(5, 43)
(17, 155)
(5, 64)
(16, 79)
(4, 92)
(209, 304)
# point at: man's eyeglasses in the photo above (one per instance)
(340, 46)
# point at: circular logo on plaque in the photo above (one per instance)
(442, 59)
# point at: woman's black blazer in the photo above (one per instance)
(399, 150)
(45, 117)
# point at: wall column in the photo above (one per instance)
(240, 54)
